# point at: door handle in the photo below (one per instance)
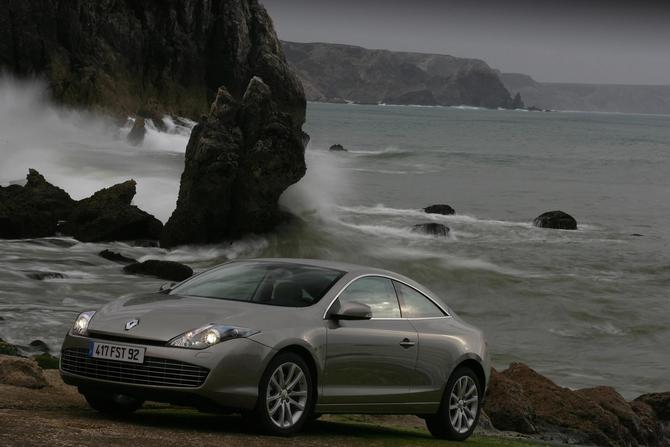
(406, 343)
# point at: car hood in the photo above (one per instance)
(162, 317)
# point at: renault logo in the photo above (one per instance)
(131, 324)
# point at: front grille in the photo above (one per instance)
(154, 371)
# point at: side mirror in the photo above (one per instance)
(166, 287)
(351, 311)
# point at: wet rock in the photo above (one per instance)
(239, 160)
(432, 228)
(46, 361)
(168, 270)
(116, 257)
(507, 405)
(439, 209)
(42, 276)
(558, 220)
(659, 402)
(595, 415)
(33, 210)
(337, 148)
(22, 372)
(136, 135)
(39, 346)
(8, 348)
(109, 216)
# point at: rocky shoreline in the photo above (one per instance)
(520, 403)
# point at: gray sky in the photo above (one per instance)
(601, 41)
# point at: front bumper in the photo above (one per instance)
(231, 371)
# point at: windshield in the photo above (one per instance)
(273, 283)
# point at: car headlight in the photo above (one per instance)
(209, 335)
(80, 326)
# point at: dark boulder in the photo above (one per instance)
(558, 220)
(109, 216)
(42, 275)
(136, 135)
(168, 270)
(38, 346)
(507, 405)
(116, 257)
(432, 228)
(33, 210)
(8, 348)
(439, 209)
(659, 402)
(337, 148)
(46, 361)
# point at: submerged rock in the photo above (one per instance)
(42, 276)
(136, 135)
(337, 148)
(558, 220)
(520, 399)
(432, 228)
(23, 372)
(116, 257)
(168, 270)
(439, 209)
(33, 210)
(109, 216)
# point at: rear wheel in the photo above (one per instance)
(286, 395)
(113, 404)
(459, 411)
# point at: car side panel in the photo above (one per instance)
(443, 344)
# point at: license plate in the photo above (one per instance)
(122, 353)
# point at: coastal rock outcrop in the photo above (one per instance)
(22, 372)
(116, 257)
(168, 270)
(149, 55)
(432, 229)
(337, 148)
(520, 399)
(33, 210)
(557, 220)
(443, 209)
(109, 216)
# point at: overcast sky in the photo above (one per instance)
(602, 41)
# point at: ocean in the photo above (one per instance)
(586, 307)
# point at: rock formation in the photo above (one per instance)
(168, 270)
(334, 73)
(557, 220)
(520, 399)
(151, 55)
(40, 209)
(247, 150)
(337, 148)
(109, 216)
(432, 229)
(443, 209)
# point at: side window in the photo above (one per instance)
(415, 304)
(377, 293)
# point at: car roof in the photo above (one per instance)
(335, 265)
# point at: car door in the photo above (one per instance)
(369, 361)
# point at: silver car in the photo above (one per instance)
(282, 341)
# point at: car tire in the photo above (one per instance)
(286, 395)
(113, 404)
(459, 410)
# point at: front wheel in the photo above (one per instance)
(459, 411)
(286, 395)
(113, 404)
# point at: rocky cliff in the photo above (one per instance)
(249, 148)
(134, 57)
(589, 97)
(337, 73)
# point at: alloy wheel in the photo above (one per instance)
(463, 403)
(286, 396)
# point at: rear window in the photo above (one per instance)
(272, 283)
